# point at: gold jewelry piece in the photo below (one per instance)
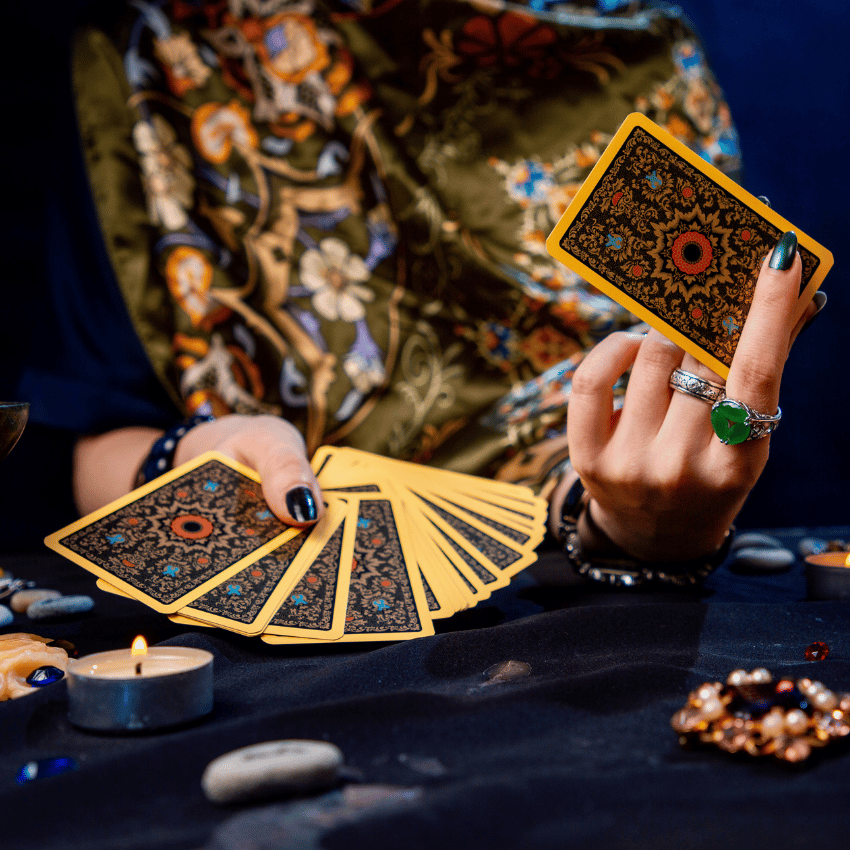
(753, 714)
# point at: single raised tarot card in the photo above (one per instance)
(675, 241)
(175, 538)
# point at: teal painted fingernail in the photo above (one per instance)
(783, 254)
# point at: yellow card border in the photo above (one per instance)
(53, 540)
(344, 513)
(637, 119)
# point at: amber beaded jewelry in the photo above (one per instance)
(756, 715)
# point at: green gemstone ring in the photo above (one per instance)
(734, 422)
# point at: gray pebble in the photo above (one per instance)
(64, 606)
(755, 540)
(811, 546)
(270, 769)
(6, 616)
(22, 600)
(754, 560)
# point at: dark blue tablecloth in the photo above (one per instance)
(577, 754)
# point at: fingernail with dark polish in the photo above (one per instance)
(819, 300)
(301, 504)
(783, 254)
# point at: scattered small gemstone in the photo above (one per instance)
(817, 651)
(42, 676)
(6, 616)
(43, 768)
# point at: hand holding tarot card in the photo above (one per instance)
(399, 546)
(675, 241)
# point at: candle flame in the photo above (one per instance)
(139, 647)
(847, 562)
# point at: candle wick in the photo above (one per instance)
(139, 668)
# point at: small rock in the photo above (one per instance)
(6, 616)
(22, 600)
(64, 606)
(754, 560)
(270, 769)
(755, 540)
(811, 546)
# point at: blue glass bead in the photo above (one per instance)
(42, 676)
(42, 768)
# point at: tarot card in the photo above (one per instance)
(675, 241)
(247, 601)
(315, 607)
(174, 539)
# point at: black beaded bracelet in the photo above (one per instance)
(161, 456)
(623, 571)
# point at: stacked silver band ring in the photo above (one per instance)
(735, 422)
(693, 385)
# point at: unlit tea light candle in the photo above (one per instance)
(828, 575)
(140, 689)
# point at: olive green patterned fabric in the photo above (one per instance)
(336, 212)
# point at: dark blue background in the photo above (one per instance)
(784, 70)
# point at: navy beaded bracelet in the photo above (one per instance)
(160, 459)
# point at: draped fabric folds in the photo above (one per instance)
(336, 211)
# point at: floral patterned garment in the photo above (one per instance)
(336, 212)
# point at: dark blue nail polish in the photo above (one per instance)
(783, 254)
(301, 504)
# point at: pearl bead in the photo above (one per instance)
(796, 721)
(772, 723)
(760, 676)
(825, 700)
(712, 709)
(705, 692)
(737, 677)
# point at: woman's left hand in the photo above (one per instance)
(662, 485)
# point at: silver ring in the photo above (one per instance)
(690, 384)
(735, 422)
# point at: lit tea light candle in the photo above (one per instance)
(828, 575)
(140, 689)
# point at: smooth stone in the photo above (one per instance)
(22, 600)
(756, 540)
(756, 560)
(64, 606)
(6, 616)
(811, 546)
(271, 769)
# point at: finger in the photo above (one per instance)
(756, 370)
(690, 417)
(812, 311)
(648, 395)
(590, 416)
(289, 485)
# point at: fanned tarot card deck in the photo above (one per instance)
(675, 241)
(399, 545)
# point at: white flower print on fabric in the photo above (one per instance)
(335, 276)
(165, 172)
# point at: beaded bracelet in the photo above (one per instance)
(161, 456)
(621, 570)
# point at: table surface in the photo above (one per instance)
(578, 753)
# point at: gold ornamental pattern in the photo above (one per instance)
(677, 242)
